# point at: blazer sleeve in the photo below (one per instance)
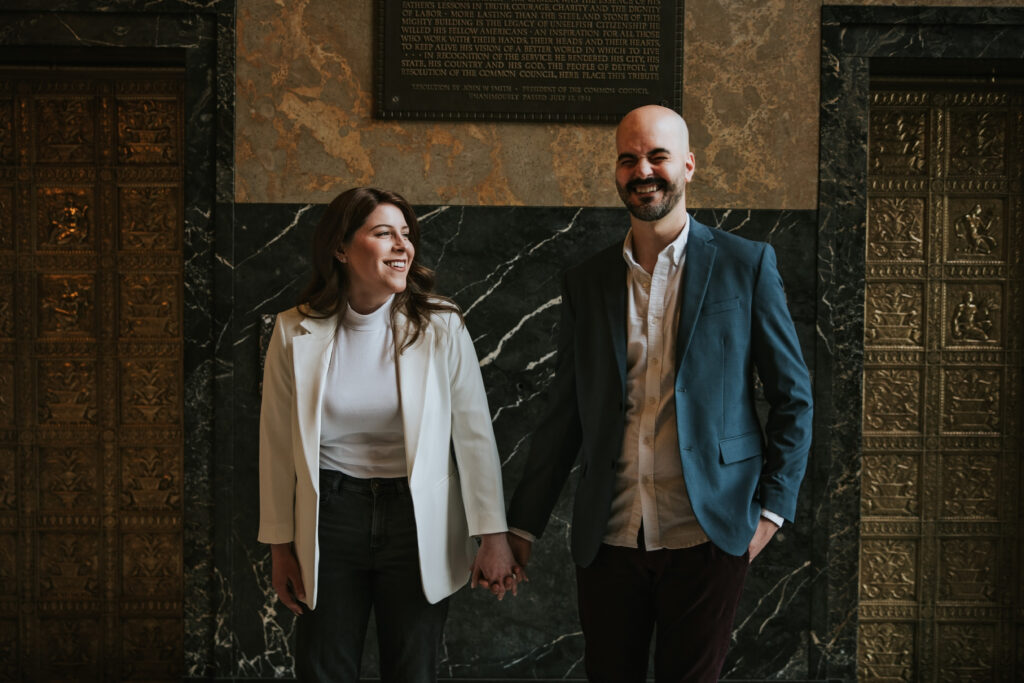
(277, 461)
(557, 439)
(787, 388)
(476, 452)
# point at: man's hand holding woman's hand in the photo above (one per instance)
(495, 567)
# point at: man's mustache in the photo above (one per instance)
(633, 184)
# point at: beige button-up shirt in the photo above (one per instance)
(649, 483)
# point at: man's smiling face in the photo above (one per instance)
(654, 162)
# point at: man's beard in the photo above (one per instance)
(651, 211)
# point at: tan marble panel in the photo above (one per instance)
(304, 128)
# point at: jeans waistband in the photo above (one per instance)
(333, 480)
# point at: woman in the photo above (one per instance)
(366, 384)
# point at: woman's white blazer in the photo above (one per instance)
(442, 403)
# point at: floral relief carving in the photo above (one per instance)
(146, 131)
(972, 399)
(888, 569)
(893, 314)
(896, 228)
(68, 391)
(9, 669)
(65, 130)
(889, 485)
(149, 305)
(8, 480)
(897, 142)
(9, 563)
(6, 218)
(149, 391)
(151, 649)
(892, 399)
(887, 652)
(6, 305)
(149, 218)
(977, 142)
(967, 570)
(6, 129)
(72, 648)
(68, 480)
(69, 566)
(151, 565)
(66, 304)
(149, 479)
(65, 218)
(6, 394)
(966, 653)
(970, 486)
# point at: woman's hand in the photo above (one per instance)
(494, 566)
(286, 577)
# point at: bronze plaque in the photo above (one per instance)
(577, 61)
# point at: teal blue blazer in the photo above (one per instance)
(734, 322)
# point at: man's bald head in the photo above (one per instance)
(653, 119)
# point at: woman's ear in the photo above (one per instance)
(340, 255)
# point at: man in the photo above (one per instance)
(654, 392)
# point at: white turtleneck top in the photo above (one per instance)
(361, 425)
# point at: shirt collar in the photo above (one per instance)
(674, 251)
(377, 319)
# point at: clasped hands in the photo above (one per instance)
(500, 563)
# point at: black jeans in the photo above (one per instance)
(368, 559)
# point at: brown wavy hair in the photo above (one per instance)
(328, 290)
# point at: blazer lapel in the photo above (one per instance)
(614, 294)
(700, 260)
(413, 373)
(311, 357)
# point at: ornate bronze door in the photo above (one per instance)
(940, 555)
(91, 374)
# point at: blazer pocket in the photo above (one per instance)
(714, 307)
(737, 448)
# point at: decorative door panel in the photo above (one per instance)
(91, 396)
(940, 555)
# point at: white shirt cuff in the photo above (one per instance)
(772, 517)
(522, 534)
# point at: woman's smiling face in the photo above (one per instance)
(377, 258)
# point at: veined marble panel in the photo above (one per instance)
(502, 265)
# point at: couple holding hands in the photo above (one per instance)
(380, 481)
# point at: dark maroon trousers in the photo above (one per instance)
(687, 598)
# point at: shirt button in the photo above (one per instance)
(647, 440)
(651, 400)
